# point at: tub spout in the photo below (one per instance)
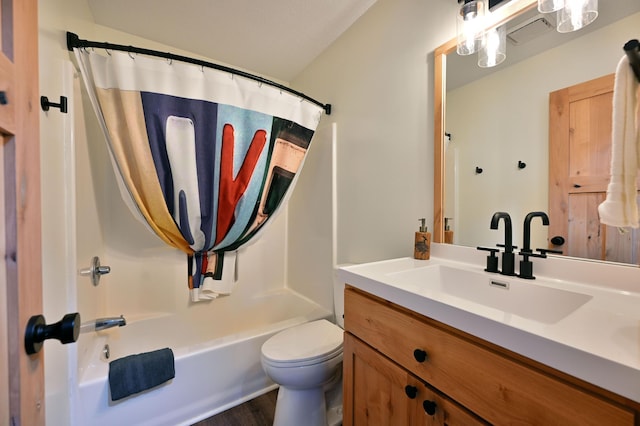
(104, 323)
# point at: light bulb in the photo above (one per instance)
(493, 47)
(576, 14)
(469, 23)
(548, 6)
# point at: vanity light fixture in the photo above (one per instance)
(572, 14)
(491, 44)
(469, 25)
(493, 48)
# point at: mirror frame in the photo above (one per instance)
(500, 16)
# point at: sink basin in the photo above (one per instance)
(534, 300)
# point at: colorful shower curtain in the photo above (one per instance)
(203, 156)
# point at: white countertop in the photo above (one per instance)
(598, 342)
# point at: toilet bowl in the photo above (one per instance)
(305, 360)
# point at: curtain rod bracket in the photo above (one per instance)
(74, 41)
(46, 104)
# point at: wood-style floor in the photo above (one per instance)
(257, 412)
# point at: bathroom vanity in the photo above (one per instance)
(415, 352)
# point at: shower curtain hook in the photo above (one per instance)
(170, 60)
(202, 69)
(108, 52)
(131, 56)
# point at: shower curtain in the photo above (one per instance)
(204, 157)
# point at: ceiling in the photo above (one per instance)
(274, 38)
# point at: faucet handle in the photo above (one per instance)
(492, 259)
(526, 266)
(545, 251)
(527, 254)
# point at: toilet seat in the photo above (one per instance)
(306, 344)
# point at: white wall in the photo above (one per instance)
(503, 118)
(379, 77)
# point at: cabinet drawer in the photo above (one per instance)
(492, 385)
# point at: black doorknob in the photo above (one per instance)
(66, 331)
(420, 355)
(558, 240)
(429, 407)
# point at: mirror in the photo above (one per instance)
(498, 120)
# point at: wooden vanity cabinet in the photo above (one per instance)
(468, 380)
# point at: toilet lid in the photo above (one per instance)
(305, 342)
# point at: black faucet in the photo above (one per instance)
(507, 254)
(526, 241)
(526, 267)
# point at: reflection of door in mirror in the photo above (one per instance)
(579, 167)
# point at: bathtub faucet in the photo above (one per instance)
(104, 323)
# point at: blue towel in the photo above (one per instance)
(136, 373)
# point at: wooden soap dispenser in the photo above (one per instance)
(448, 233)
(422, 243)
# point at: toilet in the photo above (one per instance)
(306, 361)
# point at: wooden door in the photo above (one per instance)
(579, 168)
(20, 267)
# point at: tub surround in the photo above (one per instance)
(597, 340)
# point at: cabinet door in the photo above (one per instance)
(379, 392)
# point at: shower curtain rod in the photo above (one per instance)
(632, 49)
(74, 41)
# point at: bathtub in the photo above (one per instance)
(216, 367)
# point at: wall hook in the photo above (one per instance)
(45, 104)
(478, 170)
(521, 165)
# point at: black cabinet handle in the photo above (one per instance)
(420, 355)
(429, 407)
(411, 391)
